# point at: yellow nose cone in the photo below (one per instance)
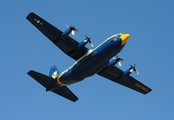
(124, 38)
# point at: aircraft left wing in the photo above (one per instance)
(68, 45)
(113, 73)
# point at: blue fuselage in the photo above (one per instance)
(92, 62)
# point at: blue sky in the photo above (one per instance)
(23, 47)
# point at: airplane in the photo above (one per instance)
(88, 62)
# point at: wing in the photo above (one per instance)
(68, 45)
(113, 73)
(49, 83)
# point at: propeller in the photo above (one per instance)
(134, 69)
(118, 59)
(88, 39)
(73, 29)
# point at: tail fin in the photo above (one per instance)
(50, 85)
(54, 72)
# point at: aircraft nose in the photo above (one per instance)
(124, 38)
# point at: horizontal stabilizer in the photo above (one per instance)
(44, 80)
(66, 92)
(50, 84)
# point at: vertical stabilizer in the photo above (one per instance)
(54, 72)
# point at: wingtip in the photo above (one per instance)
(30, 14)
(148, 91)
(76, 100)
(29, 72)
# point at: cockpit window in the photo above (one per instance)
(115, 38)
(119, 35)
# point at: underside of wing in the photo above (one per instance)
(113, 73)
(68, 45)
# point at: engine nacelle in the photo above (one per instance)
(66, 33)
(71, 30)
(112, 62)
(81, 44)
(126, 73)
(129, 71)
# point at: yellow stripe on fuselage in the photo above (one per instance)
(105, 41)
(87, 54)
(58, 80)
(90, 51)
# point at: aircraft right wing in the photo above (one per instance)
(68, 45)
(113, 73)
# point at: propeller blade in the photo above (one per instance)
(73, 29)
(67, 26)
(137, 72)
(72, 32)
(88, 39)
(92, 45)
(119, 60)
(85, 41)
(119, 63)
(76, 30)
(131, 70)
(134, 69)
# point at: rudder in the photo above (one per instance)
(54, 72)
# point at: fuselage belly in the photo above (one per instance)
(92, 63)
